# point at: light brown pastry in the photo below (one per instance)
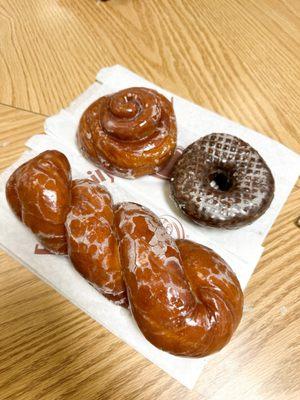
(39, 194)
(92, 242)
(129, 133)
(184, 297)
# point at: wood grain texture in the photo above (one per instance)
(239, 58)
(16, 126)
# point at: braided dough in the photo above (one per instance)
(92, 241)
(39, 194)
(183, 296)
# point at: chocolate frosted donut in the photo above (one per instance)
(221, 181)
(129, 133)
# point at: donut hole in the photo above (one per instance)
(221, 180)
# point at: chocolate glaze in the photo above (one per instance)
(221, 181)
(129, 133)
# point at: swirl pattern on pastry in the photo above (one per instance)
(129, 133)
(221, 181)
(39, 194)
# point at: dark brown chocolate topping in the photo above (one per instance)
(222, 181)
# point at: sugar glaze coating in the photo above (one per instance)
(248, 184)
(129, 133)
(184, 297)
(39, 194)
(92, 242)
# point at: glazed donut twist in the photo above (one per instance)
(92, 241)
(129, 133)
(39, 194)
(183, 296)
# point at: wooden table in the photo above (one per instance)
(239, 58)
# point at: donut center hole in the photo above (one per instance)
(221, 180)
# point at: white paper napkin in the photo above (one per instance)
(241, 248)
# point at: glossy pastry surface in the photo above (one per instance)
(129, 133)
(92, 242)
(39, 194)
(184, 297)
(221, 181)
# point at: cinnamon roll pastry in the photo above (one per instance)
(129, 133)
